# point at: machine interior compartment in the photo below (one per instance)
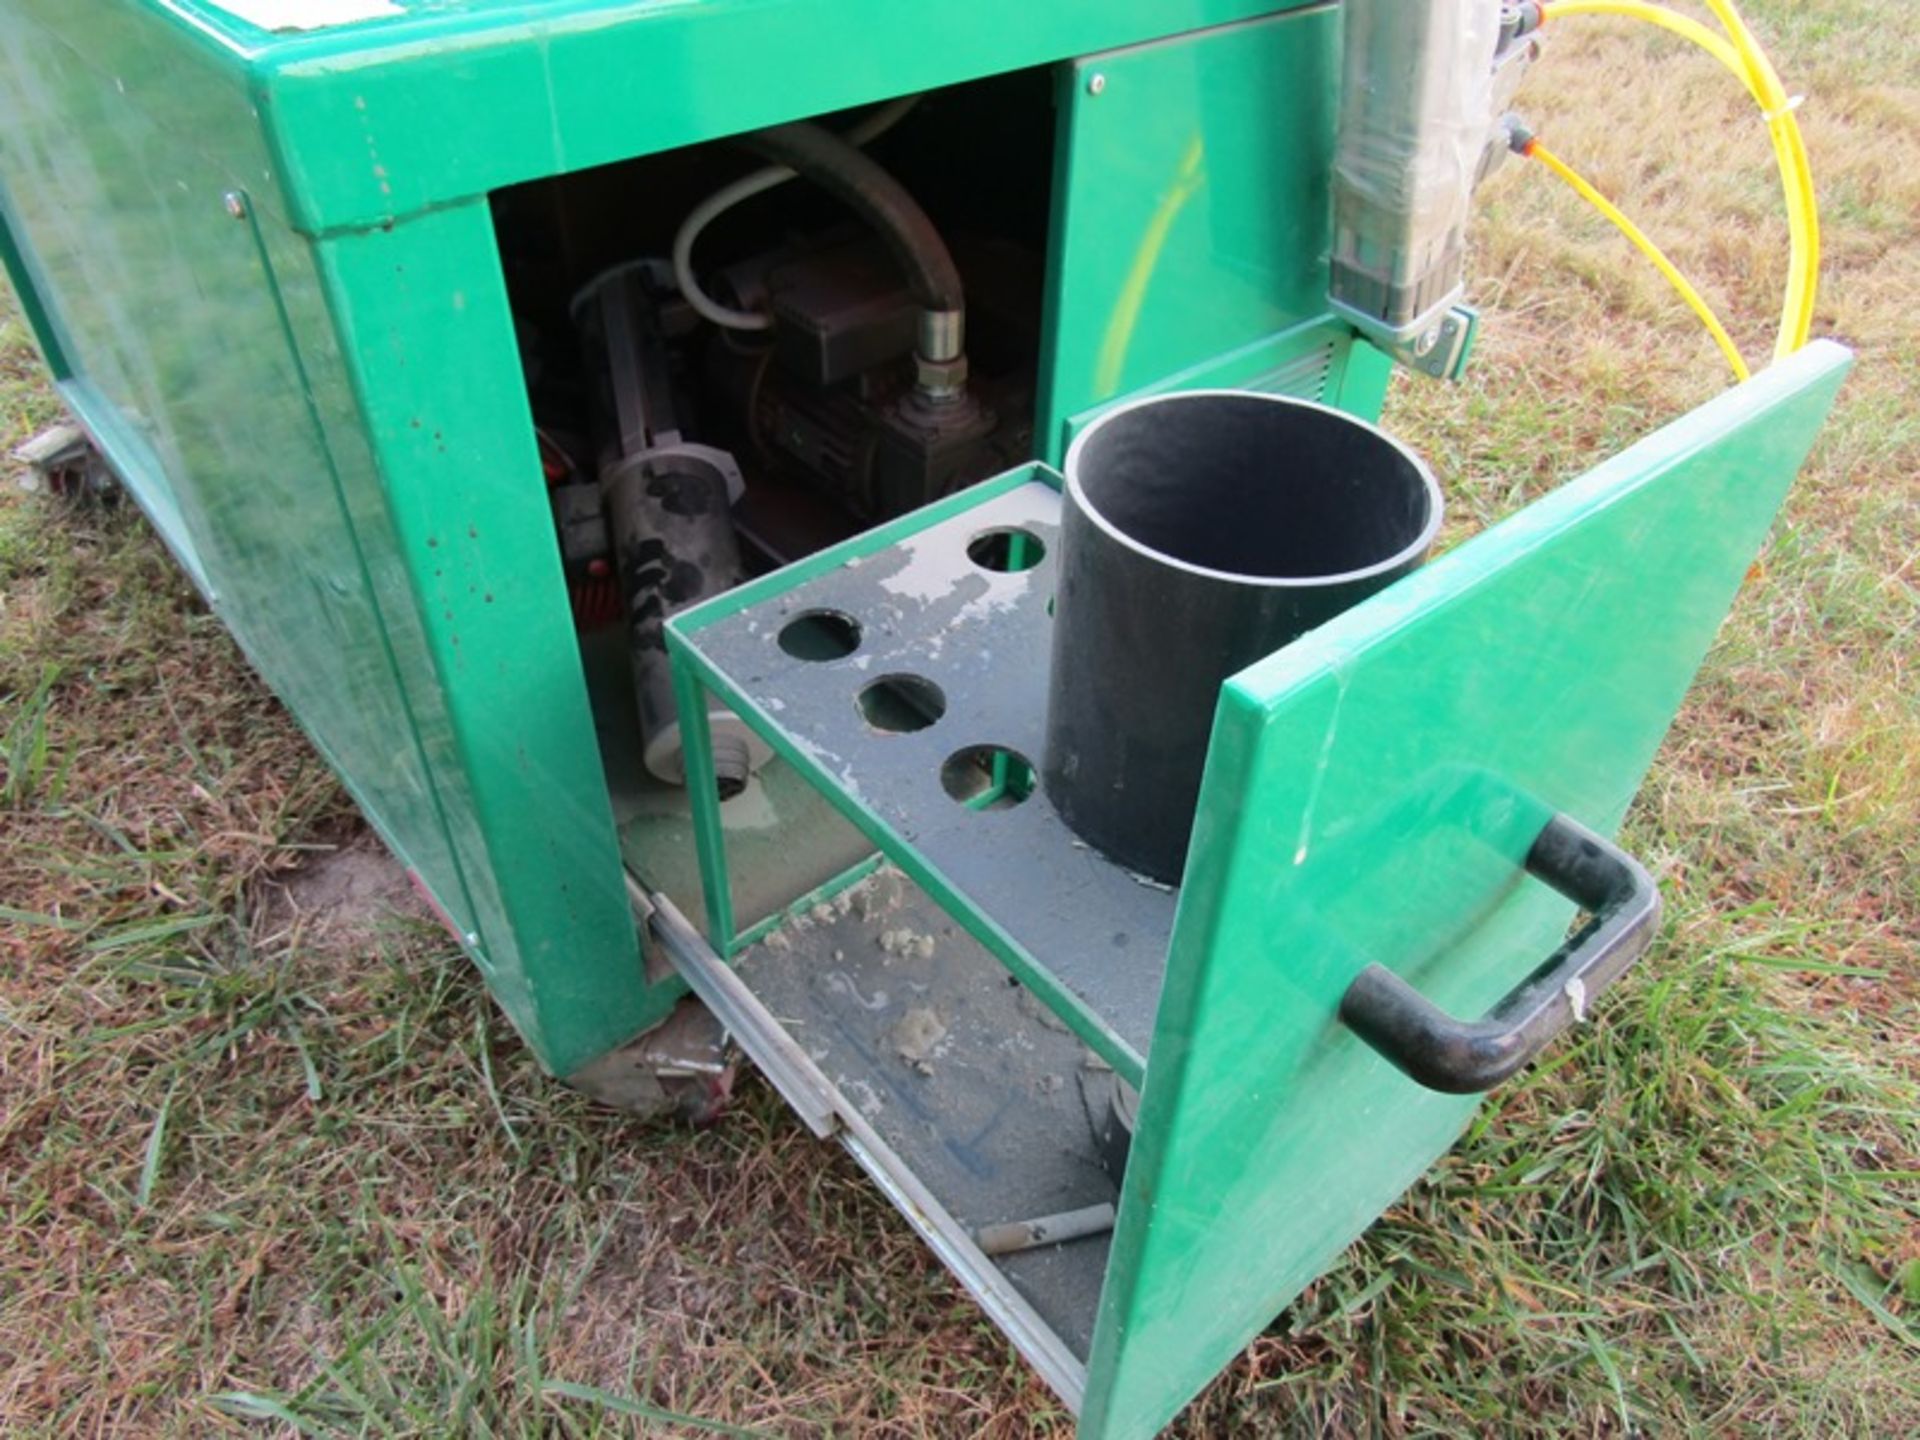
(817, 428)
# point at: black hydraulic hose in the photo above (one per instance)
(856, 180)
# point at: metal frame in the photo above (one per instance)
(1012, 909)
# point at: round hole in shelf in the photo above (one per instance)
(820, 635)
(1006, 549)
(901, 704)
(987, 777)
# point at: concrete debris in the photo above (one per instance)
(917, 1036)
(907, 944)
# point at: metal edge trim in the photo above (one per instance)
(978, 1276)
(783, 1062)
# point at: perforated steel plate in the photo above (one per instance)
(947, 666)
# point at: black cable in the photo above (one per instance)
(856, 180)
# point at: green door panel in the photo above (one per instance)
(1370, 794)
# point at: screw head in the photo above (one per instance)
(236, 204)
(1096, 82)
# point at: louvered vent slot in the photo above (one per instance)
(1304, 376)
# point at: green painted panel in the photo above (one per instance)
(31, 290)
(189, 82)
(1190, 205)
(184, 368)
(370, 121)
(385, 120)
(1370, 793)
(422, 310)
(207, 356)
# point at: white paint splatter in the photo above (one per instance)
(1342, 674)
(841, 983)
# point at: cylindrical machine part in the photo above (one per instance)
(673, 539)
(667, 504)
(941, 334)
(1200, 532)
(1416, 116)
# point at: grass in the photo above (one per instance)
(257, 1175)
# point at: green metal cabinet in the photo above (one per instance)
(264, 269)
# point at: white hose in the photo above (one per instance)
(871, 127)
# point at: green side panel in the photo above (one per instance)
(30, 290)
(421, 309)
(349, 506)
(182, 364)
(159, 57)
(1190, 208)
(1370, 794)
(98, 220)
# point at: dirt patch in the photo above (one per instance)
(349, 894)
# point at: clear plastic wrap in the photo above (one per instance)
(1416, 115)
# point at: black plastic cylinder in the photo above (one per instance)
(1200, 532)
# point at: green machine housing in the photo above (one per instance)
(310, 291)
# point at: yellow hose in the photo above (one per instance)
(1796, 177)
(1695, 302)
(1742, 55)
(1684, 26)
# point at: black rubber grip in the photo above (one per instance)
(1464, 1057)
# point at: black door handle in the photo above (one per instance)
(1464, 1057)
